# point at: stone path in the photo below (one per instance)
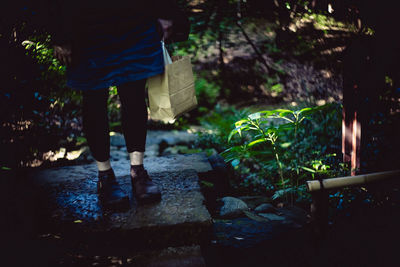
(180, 219)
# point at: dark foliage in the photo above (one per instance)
(32, 81)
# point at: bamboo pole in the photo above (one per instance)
(332, 183)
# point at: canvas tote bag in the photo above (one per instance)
(172, 93)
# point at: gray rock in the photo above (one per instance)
(179, 149)
(265, 207)
(232, 207)
(170, 137)
(117, 139)
(152, 150)
(154, 138)
(116, 155)
(272, 217)
(173, 150)
(197, 161)
(254, 201)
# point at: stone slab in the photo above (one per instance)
(180, 218)
(198, 162)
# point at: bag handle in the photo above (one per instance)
(167, 58)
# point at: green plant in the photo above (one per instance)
(272, 145)
(207, 92)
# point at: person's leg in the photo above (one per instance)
(134, 125)
(134, 119)
(96, 130)
(96, 127)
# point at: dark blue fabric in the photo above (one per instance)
(114, 59)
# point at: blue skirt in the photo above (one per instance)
(114, 59)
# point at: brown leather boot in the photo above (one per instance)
(143, 187)
(110, 193)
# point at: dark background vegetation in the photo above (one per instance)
(247, 56)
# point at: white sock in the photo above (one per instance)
(103, 165)
(136, 157)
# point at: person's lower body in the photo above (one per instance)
(134, 126)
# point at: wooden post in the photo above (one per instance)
(351, 130)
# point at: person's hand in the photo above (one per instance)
(166, 26)
(63, 53)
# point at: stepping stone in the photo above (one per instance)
(179, 219)
(198, 162)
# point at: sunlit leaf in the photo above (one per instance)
(286, 144)
(255, 116)
(283, 112)
(308, 169)
(305, 110)
(238, 123)
(261, 140)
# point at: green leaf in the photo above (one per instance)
(278, 88)
(239, 123)
(305, 110)
(261, 140)
(286, 144)
(283, 112)
(255, 116)
(308, 169)
(237, 130)
(261, 114)
(231, 134)
(4, 168)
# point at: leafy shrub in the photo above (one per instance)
(275, 151)
(207, 92)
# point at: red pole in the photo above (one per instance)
(351, 132)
